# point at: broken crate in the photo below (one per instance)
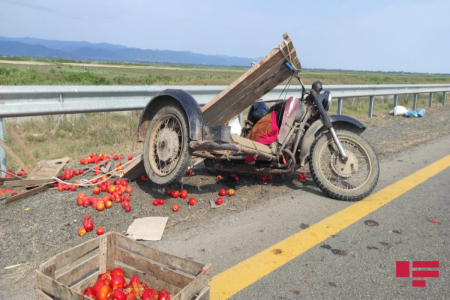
(67, 274)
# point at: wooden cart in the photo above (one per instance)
(67, 274)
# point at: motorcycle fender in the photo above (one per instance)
(173, 97)
(338, 121)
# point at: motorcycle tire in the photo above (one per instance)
(342, 188)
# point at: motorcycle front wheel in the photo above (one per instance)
(352, 180)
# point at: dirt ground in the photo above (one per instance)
(36, 228)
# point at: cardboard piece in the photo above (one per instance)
(148, 229)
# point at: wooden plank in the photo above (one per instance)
(88, 281)
(58, 290)
(174, 262)
(203, 294)
(29, 182)
(79, 271)
(196, 285)
(40, 295)
(22, 146)
(12, 154)
(28, 193)
(151, 281)
(250, 144)
(73, 254)
(248, 94)
(38, 166)
(268, 73)
(106, 249)
(50, 168)
(146, 266)
(48, 268)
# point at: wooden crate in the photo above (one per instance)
(67, 274)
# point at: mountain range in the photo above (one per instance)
(108, 52)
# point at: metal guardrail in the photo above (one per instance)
(22, 101)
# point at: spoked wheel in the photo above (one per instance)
(166, 148)
(352, 180)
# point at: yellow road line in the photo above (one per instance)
(236, 278)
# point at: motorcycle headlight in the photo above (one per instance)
(327, 101)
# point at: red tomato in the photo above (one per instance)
(130, 157)
(125, 204)
(66, 187)
(175, 207)
(86, 201)
(124, 182)
(103, 188)
(81, 231)
(119, 295)
(175, 194)
(89, 226)
(97, 286)
(126, 198)
(184, 194)
(100, 230)
(302, 176)
(128, 208)
(169, 192)
(134, 279)
(150, 294)
(128, 190)
(117, 282)
(81, 172)
(189, 172)
(116, 157)
(96, 191)
(142, 178)
(156, 202)
(80, 201)
(100, 205)
(111, 188)
(88, 292)
(263, 178)
(117, 271)
(164, 295)
(269, 178)
(121, 157)
(192, 201)
(161, 201)
(91, 155)
(222, 192)
(219, 201)
(108, 204)
(77, 172)
(231, 192)
(103, 293)
(82, 161)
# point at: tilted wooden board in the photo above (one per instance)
(252, 85)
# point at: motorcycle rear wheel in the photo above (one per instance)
(352, 180)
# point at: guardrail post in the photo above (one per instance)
(415, 102)
(431, 100)
(370, 106)
(443, 97)
(395, 100)
(339, 110)
(2, 151)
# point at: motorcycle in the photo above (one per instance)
(342, 163)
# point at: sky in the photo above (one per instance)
(382, 35)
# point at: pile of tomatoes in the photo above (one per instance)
(112, 285)
(21, 173)
(118, 191)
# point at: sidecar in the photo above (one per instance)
(174, 127)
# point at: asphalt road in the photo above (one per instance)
(365, 269)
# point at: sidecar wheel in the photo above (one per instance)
(350, 181)
(166, 148)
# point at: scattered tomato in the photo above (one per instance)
(302, 176)
(116, 157)
(184, 194)
(108, 204)
(96, 191)
(142, 178)
(126, 198)
(189, 172)
(263, 178)
(231, 192)
(222, 192)
(175, 207)
(86, 202)
(125, 204)
(89, 226)
(82, 161)
(81, 231)
(128, 190)
(192, 201)
(128, 208)
(81, 196)
(130, 157)
(111, 188)
(269, 178)
(121, 157)
(169, 192)
(219, 201)
(175, 194)
(100, 230)
(161, 201)
(155, 202)
(81, 172)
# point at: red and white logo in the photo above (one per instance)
(403, 270)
